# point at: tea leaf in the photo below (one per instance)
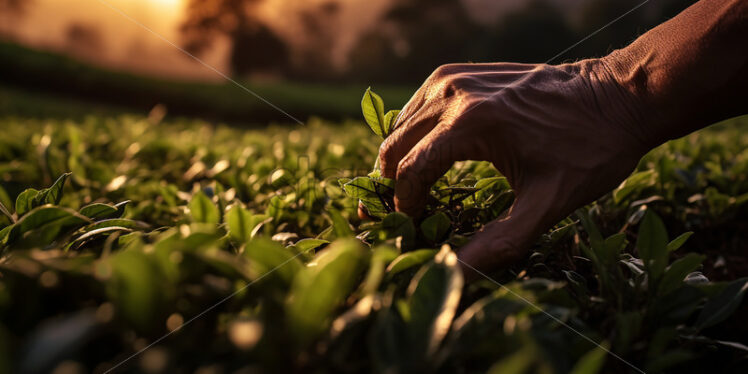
(270, 259)
(318, 290)
(435, 227)
(53, 194)
(635, 182)
(720, 307)
(389, 121)
(46, 215)
(98, 210)
(679, 241)
(305, 245)
(203, 210)
(372, 107)
(25, 201)
(398, 224)
(380, 257)
(652, 244)
(340, 226)
(592, 361)
(677, 272)
(409, 260)
(241, 223)
(433, 296)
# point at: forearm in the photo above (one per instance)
(687, 73)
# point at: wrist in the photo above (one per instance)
(628, 73)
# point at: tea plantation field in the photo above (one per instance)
(132, 244)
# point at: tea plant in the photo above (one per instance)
(467, 197)
(244, 243)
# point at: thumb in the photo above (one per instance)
(507, 240)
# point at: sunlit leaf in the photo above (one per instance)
(318, 290)
(241, 223)
(389, 121)
(203, 210)
(409, 260)
(98, 210)
(340, 226)
(372, 107)
(433, 296)
(25, 201)
(679, 241)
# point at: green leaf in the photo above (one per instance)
(679, 241)
(340, 226)
(720, 307)
(31, 198)
(677, 272)
(42, 225)
(596, 239)
(114, 222)
(6, 203)
(317, 291)
(433, 296)
(435, 227)
(98, 210)
(375, 193)
(381, 256)
(25, 201)
(269, 258)
(136, 287)
(53, 194)
(242, 223)
(389, 121)
(398, 224)
(5, 199)
(652, 244)
(50, 215)
(592, 361)
(635, 183)
(100, 231)
(203, 210)
(409, 260)
(516, 363)
(305, 245)
(613, 246)
(5, 233)
(372, 107)
(121, 206)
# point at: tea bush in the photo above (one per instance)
(203, 248)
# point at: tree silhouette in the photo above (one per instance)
(15, 6)
(254, 46)
(413, 38)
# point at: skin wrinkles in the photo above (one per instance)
(566, 134)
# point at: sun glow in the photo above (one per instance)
(166, 3)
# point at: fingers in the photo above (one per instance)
(409, 131)
(505, 241)
(424, 165)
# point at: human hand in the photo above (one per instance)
(562, 135)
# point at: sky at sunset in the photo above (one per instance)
(121, 42)
(109, 38)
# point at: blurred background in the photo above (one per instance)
(309, 57)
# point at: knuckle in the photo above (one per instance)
(406, 168)
(445, 71)
(387, 151)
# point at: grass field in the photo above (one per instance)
(248, 237)
(28, 76)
